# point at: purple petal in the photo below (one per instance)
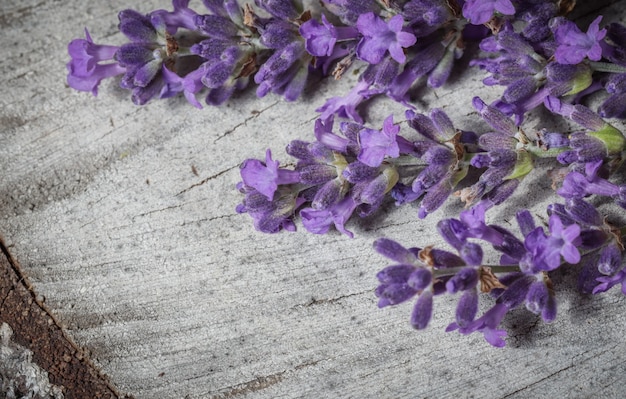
(570, 253)
(422, 311)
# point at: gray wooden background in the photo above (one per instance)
(174, 295)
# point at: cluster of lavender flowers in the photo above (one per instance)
(352, 170)
(222, 48)
(183, 51)
(529, 47)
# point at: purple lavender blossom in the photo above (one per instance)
(423, 62)
(345, 107)
(487, 325)
(614, 48)
(282, 9)
(324, 135)
(183, 51)
(540, 300)
(144, 56)
(614, 106)
(328, 176)
(190, 85)
(574, 45)
(265, 177)
(502, 157)
(537, 16)
(181, 17)
(480, 11)
(270, 216)
(376, 144)
(86, 69)
(422, 311)
(349, 11)
(606, 283)
(529, 73)
(318, 221)
(321, 38)
(524, 265)
(547, 250)
(285, 72)
(414, 276)
(380, 37)
(442, 150)
(579, 185)
(426, 16)
(603, 142)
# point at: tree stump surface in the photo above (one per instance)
(121, 222)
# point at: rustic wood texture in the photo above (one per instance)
(21, 309)
(122, 218)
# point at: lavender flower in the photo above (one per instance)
(185, 51)
(442, 149)
(523, 270)
(380, 37)
(503, 157)
(351, 169)
(322, 38)
(345, 107)
(338, 175)
(265, 178)
(578, 185)
(574, 45)
(270, 216)
(349, 11)
(376, 144)
(414, 276)
(602, 142)
(487, 325)
(480, 11)
(545, 252)
(90, 64)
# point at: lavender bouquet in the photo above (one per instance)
(540, 58)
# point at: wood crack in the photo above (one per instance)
(308, 121)
(203, 181)
(538, 381)
(237, 126)
(573, 364)
(261, 382)
(157, 211)
(255, 385)
(210, 219)
(315, 301)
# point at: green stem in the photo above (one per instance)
(406, 160)
(503, 268)
(184, 52)
(450, 271)
(541, 153)
(606, 67)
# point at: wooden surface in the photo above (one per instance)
(36, 357)
(172, 294)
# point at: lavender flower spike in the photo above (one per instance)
(380, 37)
(575, 45)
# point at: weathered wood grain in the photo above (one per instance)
(123, 219)
(25, 320)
